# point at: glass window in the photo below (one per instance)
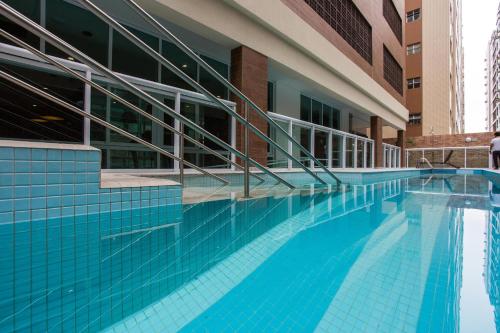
(30, 117)
(349, 154)
(413, 48)
(414, 83)
(29, 8)
(168, 136)
(305, 108)
(133, 159)
(130, 120)
(321, 146)
(336, 151)
(181, 61)
(78, 27)
(336, 119)
(215, 121)
(98, 108)
(413, 15)
(316, 112)
(327, 116)
(131, 60)
(270, 96)
(209, 82)
(360, 152)
(303, 136)
(415, 119)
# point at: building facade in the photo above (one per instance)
(332, 72)
(492, 63)
(435, 73)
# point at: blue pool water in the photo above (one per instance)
(408, 255)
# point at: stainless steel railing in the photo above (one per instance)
(104, 123)
(44, 34)
(101, 89)
(162, 30)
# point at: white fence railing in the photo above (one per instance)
(334, 148)
(450, 157)
(392, 156)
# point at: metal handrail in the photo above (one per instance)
(46, 35)
(104, 123)
(118, 98)
(158, 57)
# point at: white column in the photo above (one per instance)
(312, 147)
(344, 145)
(290, 145)
(233, 138)
(329, 147)
(86, 107)
(355, 153)
(364, 154)
(177, 126)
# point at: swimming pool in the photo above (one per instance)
(408, 255)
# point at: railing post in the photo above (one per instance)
(365, 144)
(86, 106)
(177, 126)
(290, 144)
(246, 176)
(355, 152)
(329, 147)
(181, 155)
(233, 140)
(313, 143)
(344, 153)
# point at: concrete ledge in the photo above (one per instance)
(117, 180)
(44, 145)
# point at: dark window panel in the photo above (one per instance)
(305, 108)
(270, 96)
(78, 27)
(327, 116)
(316, 112)
(26, 116)
(29, 8)
(127, 56)
(209, 82)
(131, 159)
(181, 61)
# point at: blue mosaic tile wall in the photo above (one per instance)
(57, 227)
(48, 183)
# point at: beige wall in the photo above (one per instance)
(436, 67)
(273, 29)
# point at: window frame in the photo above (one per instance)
(413, 15)
(414, 82)
(414, 48)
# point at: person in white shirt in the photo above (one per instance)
(495, 149)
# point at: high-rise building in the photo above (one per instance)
(318, 65)
(492, 77)
(435, 71)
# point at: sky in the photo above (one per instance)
(479, 21)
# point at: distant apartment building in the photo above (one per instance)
(492, 79)
(434, 71)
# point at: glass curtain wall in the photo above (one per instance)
(90, 35)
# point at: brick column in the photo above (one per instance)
(376, 135)
(249, 75)
(402, 144)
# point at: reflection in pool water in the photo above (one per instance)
(399, 256)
